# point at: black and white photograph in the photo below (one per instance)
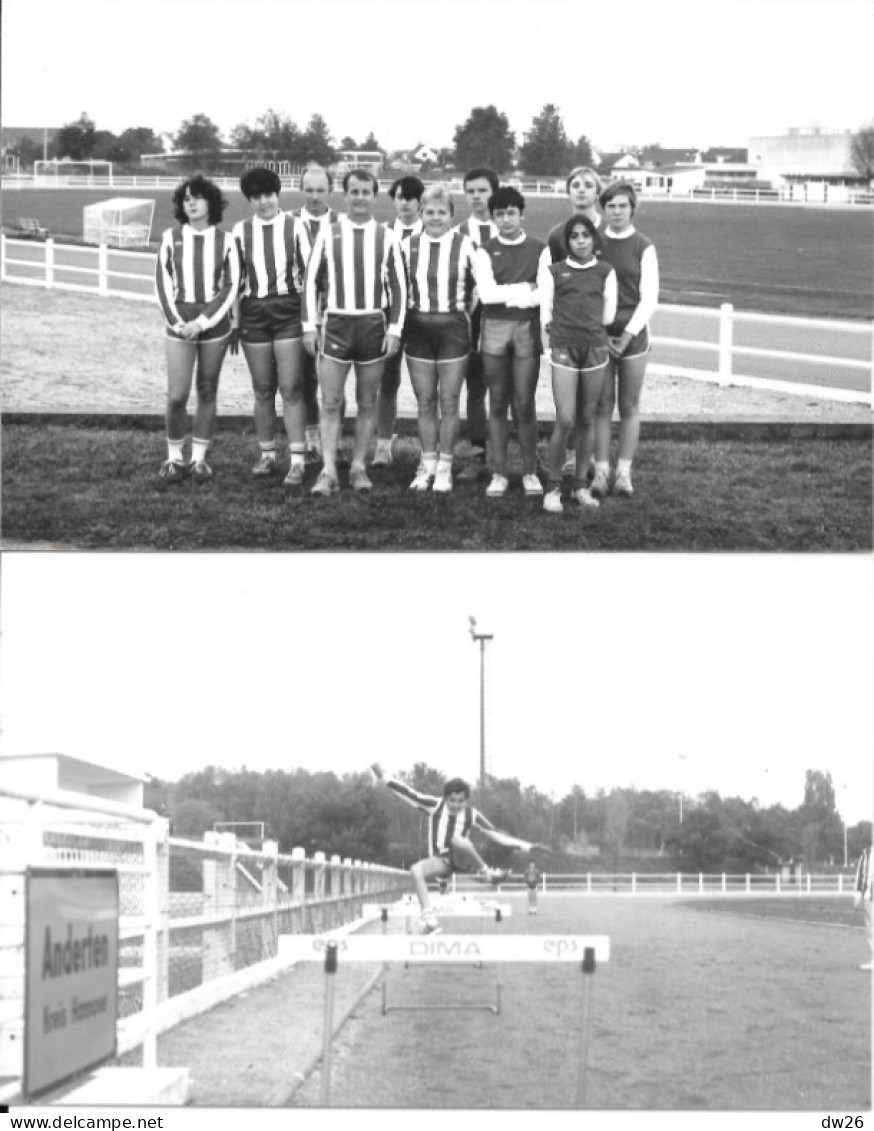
(435, 623)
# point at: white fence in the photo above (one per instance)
(833, 359)
(198, 921)
(694, 883)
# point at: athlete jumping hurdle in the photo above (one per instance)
(451, 818)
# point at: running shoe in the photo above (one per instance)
(599, 485)
(359, 480)
(200, 471)
(585, 497)
(326, 484)
(173, 472)
(443, 477)
(265, 467)
(498, 487)
(622, 485)
(295, 476)
(531, 485)
(426, 924)
(423, 479)
(552, 501)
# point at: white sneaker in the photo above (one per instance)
(552, 501)
(498, 487)
(426, 924)
(531, 485)
(599, 485)
(443, 477)
(622, 485)
(585, 497)
(423, 479)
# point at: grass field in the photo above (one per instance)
(97, 488)
(694, 1012)
(815, 262)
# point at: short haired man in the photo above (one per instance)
(451, 820)
(356, 273)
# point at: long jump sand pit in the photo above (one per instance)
(694, 1011)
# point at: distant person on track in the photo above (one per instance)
(274, 247)
(479, 227)
(577, 303)
(532, 876)
(356, 275)
(316, 184)
(440, 266)
(506, 276)
(451, 820)
(863, 896)
(406, 195)
(197, 276)
(633, 258)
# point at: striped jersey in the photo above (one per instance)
(358, 269)
(863, 884)
(274, 253)
(633, 258)
(197, 266)
(404, 231)
(478, 231)
(443, 825)
(441, 272)
(313, 224)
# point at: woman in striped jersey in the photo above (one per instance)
(451, 819)
(577, 303)
(197, 276)
(441, 275)
(633, 258)
(274, 247)
(863, 896)
(356, 274)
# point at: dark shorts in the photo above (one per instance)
(354, 337)
(639, 345)
(507, 338)
(272, 319)
(188, 311)
(580, 358)
(436, 337)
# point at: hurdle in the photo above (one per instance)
(459, 909)
(583, 950)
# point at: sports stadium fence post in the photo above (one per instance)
(102, 270)
(50, 263)
(726, 326)
(328, 1022)
(270, 897)
(588, 968)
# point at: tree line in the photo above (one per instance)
(623, 829)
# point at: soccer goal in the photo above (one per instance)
(120, 222)
(61, 171)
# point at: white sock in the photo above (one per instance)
(312, 436)
(623, 467)
(429, 462)
(602, 467)
(268, 448)
(298, 452)
(198, 450)
(444, 460)
(174, 450)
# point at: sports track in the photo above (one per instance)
(714, 1005)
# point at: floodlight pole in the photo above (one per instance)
(483, 638)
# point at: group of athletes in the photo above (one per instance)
(312, 293)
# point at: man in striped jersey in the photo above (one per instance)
(406, 195)
(863, 896)
(357, 271)
(479, 227)
(316, 184)
(274, 248)
(451, 819)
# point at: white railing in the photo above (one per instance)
(833, 359)
(692, 883)
(198, 921)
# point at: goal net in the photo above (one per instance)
(120, 222)
(63, 171)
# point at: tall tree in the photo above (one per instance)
(370, 142)
(581, 153)
(76, 139)
(862, 152)
(133, 142)
(546, 151)
(485, 139)
(316, 142)
(200, 137)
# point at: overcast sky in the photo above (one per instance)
(659, 671)
(679, 72)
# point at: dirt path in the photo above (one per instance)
(64, 351)
(694, 1011)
